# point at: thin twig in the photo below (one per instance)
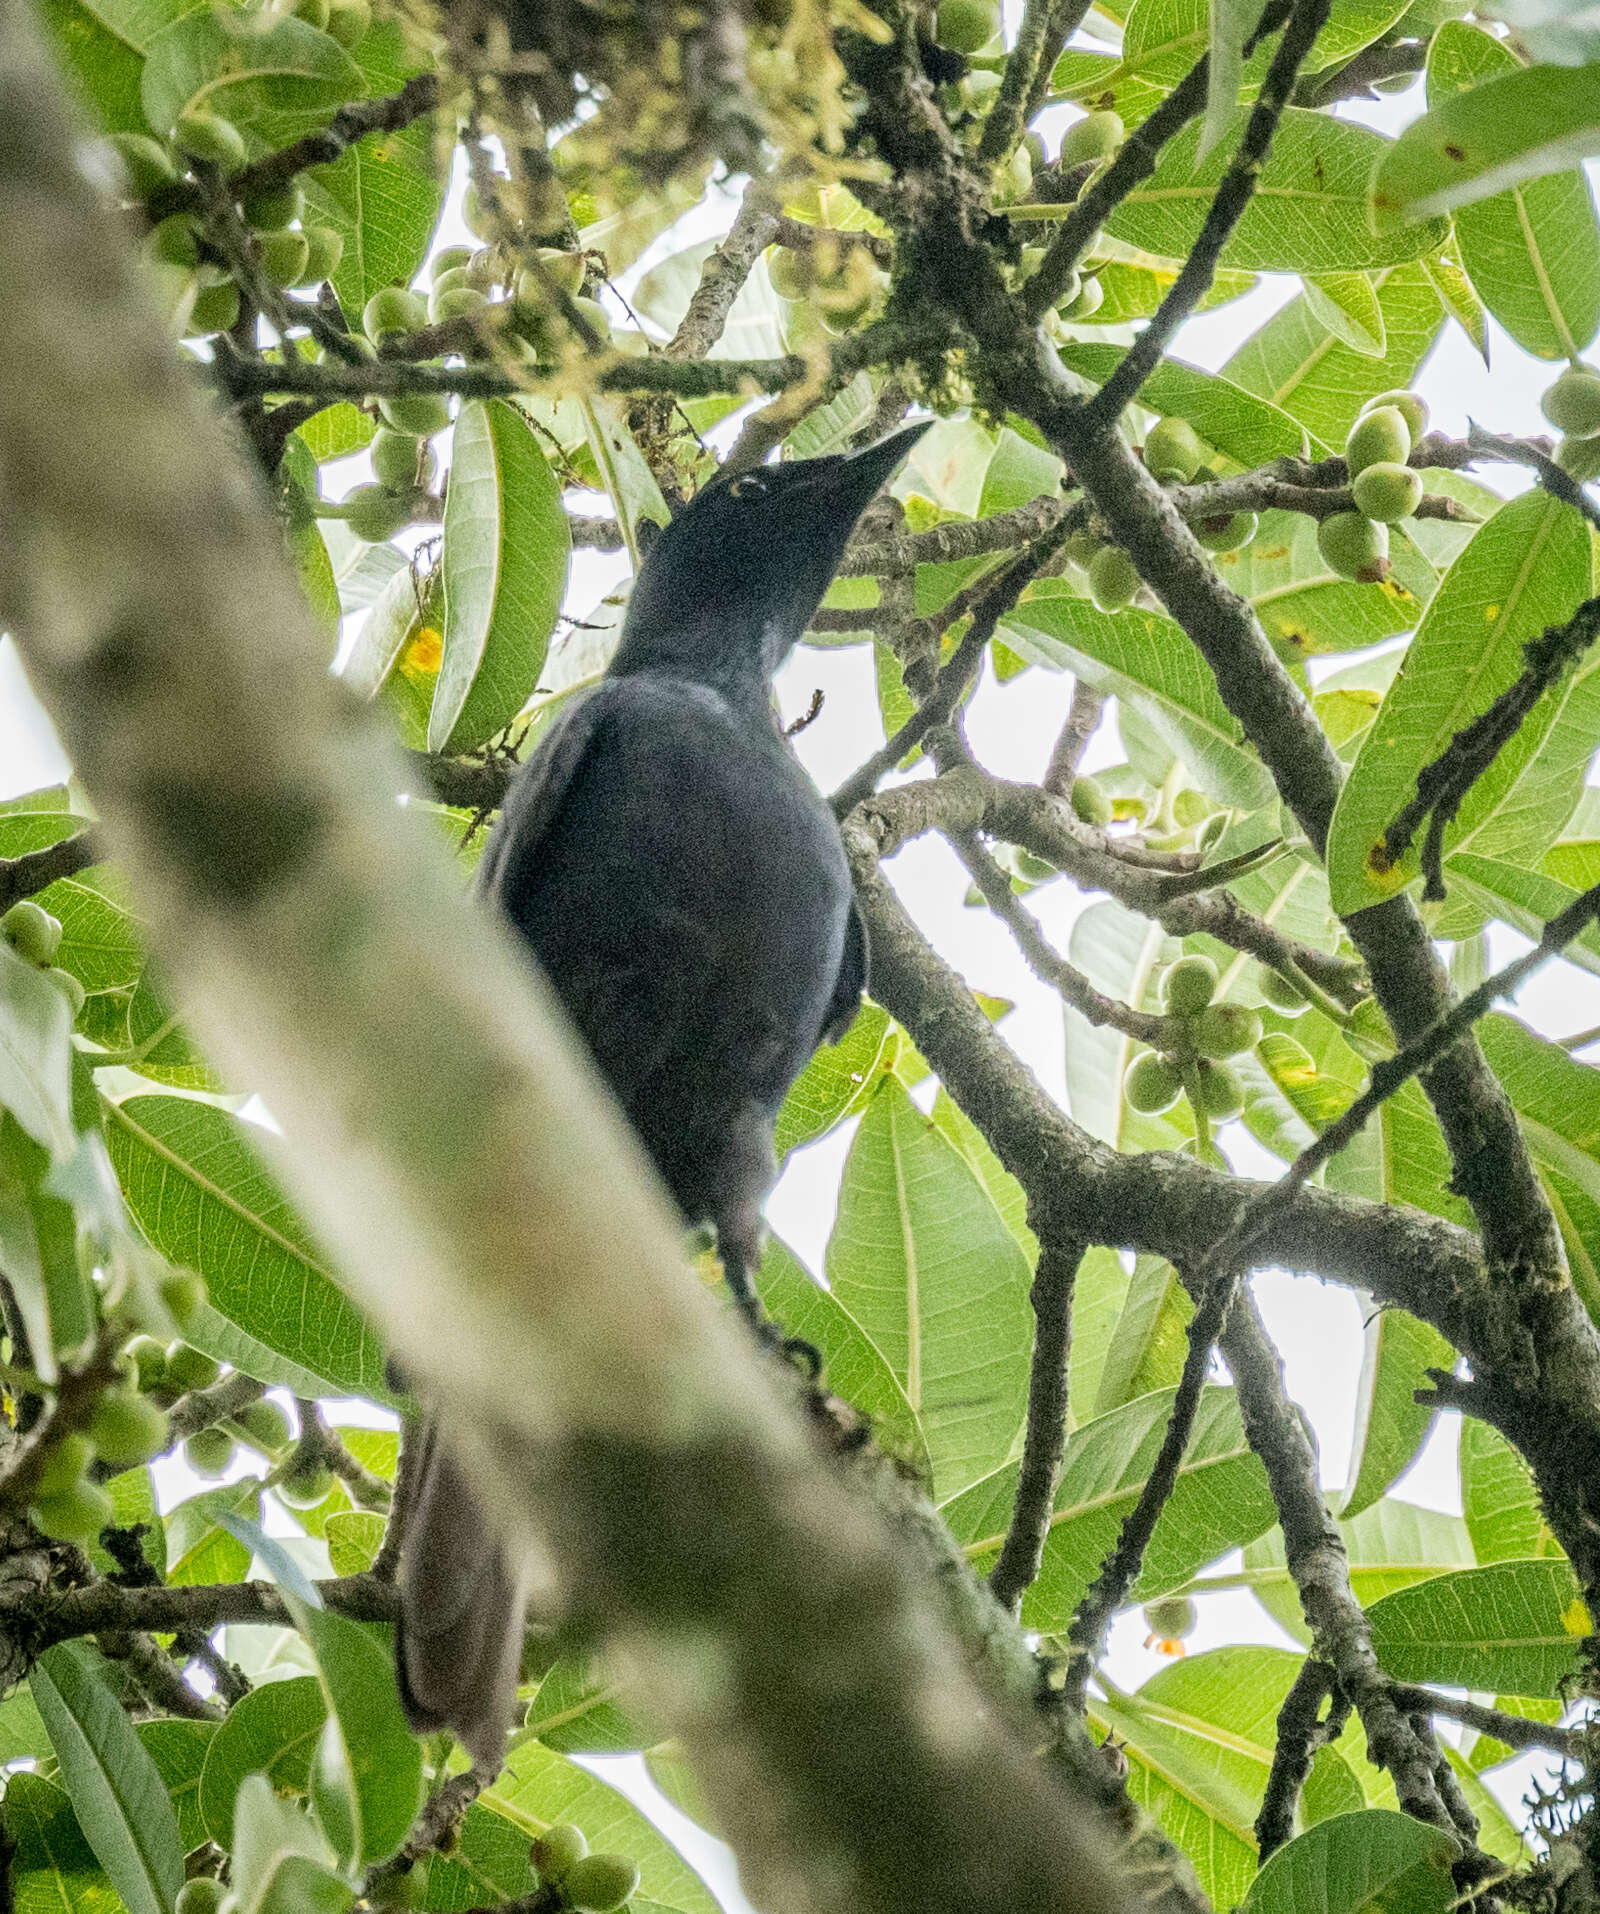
(1302, 1730)
(1006, 124)
(1516, 1731)
(1045, 1440)
(34, 871)
(1120, 1570)
(1083, 720)
(407, 1472)
(1226, 210)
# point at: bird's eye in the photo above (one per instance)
(749, 486)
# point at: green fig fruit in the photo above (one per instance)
(1387, 492)
(374, 513)
(1089, 801)
(449, 259)
(1152, 1084)
(557, 1851)
(393, 309)
(284, 258)
(76, 1515)
(1572, 404)
(270, 209)
(1412, 409)
(305, 1486)
(601, 1883)
(266, 1426)
(183, 1291)
(1174, 451)
(1170, 1619)
(1226, 1030)
(966, 25)
(175, 241)
(32, 932)
(398, 459)
(208, 1452)
(790, 272)
(419, 413)
(324, 250)
(1355, 547)
(456, 302)
(1095, 137)
(147, 1361)
(208, 137)
(1226, 531)
(145, 163)
(1221, 1090)
(190, 1368)
(1284, 996)
(127, 1428)
(1378, 437)
(64, 1465)
(215, 309)
(1113, 577)
(202, 1895)
(1189, 986)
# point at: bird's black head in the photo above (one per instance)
(729, 586)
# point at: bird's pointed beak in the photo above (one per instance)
(875, 465)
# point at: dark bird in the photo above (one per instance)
(683, 887)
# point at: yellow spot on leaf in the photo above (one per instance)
(1575, 1618)
(424, 653)
(1490, 614)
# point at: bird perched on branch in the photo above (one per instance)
(683, 887)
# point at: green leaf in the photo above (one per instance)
(507, 543)
(102, 70)
(1299, 365)
(354, 1537)
(35, 1072)
(624, 471)
(856, 1369)
(1532, 252)
(282, 1863)
(1507, 129)
(178, 1748)
(1458, 295)
(576, 1710)
(1525, 569)
(1523, 898)
(488, 1864)
(1146, 659)
(1221, 1501)
(834, 1082)
(1308, 212)
(199, 1548)
(922, 1260)
(1304, 605)
(366, 1777)
(277, 82)
(539, 1787)
(118, 1795)
(1245, 428)
(199, 1192)
(1390, 1546)
(1375, 1862)
(1499, 1501)
(337, 431)
(1120, 952)
(1513, 1628)
(54, 1870)
(1199, 1738)
(272, 1731)
(1347, 305)
(1390, 1424)
(1147, 1345)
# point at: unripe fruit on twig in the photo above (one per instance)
(148, 1361)
(1153, 1084)
(374, 513)
(202, 1895)
(790, 272)
(1095, 137)
(966, 25)
(313, 12)
(1170, 1619)
(392, 309)
(127, 1428)
(1189, 986)
(31, 932)
(1355, 547)
(1387, 492)
(215, 309)
(419, 413)
(456, 302)
(1412, 409)
(266, 1425)
(209, 137)
(557, 1851)
(146, 163)
(285, 258)
(77, 1515)
(452, 259)
(190, 1368)
(1113, 577)
(175, 240)
(398, 459)
(1226, 531)
(602, 1882)
(305, 1487)
(209, 1451)
(1089, 802)
(65, 1464)
(270, 210)
(324, 250)
(1221, 1090)
(1174, 450)
(1226, 1030)
(1285, 997)
(1380, 436)
(1572, 404)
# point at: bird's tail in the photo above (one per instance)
(458, 1644)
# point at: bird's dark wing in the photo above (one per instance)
(538, 789)
(851, 980)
